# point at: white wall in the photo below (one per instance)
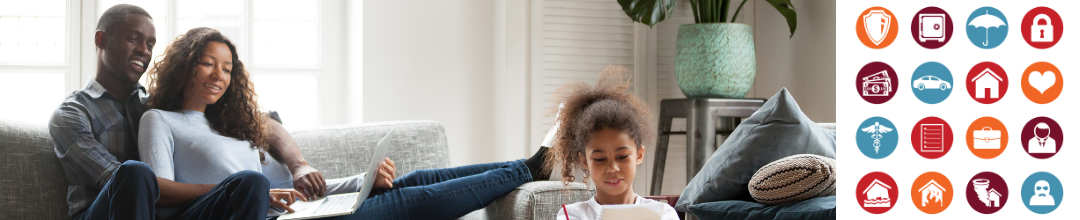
(466, 64)
(433, 59)
(805, 64)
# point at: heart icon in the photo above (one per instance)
(1042, 81)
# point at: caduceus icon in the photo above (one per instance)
(875, 132)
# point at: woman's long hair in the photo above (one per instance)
(236, 114)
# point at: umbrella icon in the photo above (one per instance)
(987, 21)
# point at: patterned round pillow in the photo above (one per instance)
(794, 178)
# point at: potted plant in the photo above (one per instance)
(714, 58)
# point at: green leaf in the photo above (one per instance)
(788, 11)
(736, 15)
(648, 12)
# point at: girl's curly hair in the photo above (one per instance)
(236, 114)
(590, 108)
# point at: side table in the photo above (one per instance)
(702, 115)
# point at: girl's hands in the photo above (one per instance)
(385, 178)
(289, 195)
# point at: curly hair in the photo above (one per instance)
(591, 108)
(236, 114)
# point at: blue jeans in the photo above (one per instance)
(130, 194)
(243, 195)
(443, 193)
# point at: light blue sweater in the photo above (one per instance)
(180, 146)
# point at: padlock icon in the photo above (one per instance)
(1042, 32)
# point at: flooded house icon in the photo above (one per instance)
(877, 194)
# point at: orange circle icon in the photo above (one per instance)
(876, 27)
(931, 192)
(1041, 82)
(987, 137)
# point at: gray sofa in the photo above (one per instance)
(34, 187)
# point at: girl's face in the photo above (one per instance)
(213, 72)
(612, 158)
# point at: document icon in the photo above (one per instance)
(931, 135)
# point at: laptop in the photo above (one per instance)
(345, 203)
(651, 211)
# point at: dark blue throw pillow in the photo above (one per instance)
(816, 208)
(778, 129)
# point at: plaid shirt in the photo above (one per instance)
(93, 133)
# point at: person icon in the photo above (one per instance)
(1042, 195)
(1042, 142)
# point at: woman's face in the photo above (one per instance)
(612, 158)
(213, 72)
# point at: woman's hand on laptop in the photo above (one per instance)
(289, 195)
(386, 176)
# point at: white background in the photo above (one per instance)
(959, 109)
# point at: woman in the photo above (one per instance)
(204, 125)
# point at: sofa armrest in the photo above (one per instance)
(537, 200)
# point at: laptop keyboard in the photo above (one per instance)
(339, 203)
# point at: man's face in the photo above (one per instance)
(128, 47)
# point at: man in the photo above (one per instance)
(95, 128)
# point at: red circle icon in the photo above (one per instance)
(877, 192)
(986, 82)
(1042, 137)
(987, 192)
(931, 27)
(931, 137)
(876, 82)
(1041, 27)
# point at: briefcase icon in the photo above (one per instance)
(987, 138)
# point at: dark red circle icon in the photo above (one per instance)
(932, 137)
(1041, 27)
(876, 82)
(1042, 137)
(877, 192)
(986, 82)
(987, 192)
(931, 27)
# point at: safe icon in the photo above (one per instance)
(1042, 32)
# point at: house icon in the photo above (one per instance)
(995, 198)
(877, 194)
(932, 192)
(986, 82)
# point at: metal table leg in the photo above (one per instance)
(701, 137)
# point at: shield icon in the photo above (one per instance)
(877, 25)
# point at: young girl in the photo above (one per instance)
(603, 129)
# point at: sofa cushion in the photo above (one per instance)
(794, 178)
(816, 208)
(33, 184)
(343, 151)
(777, 130)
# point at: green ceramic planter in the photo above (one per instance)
(715, 60)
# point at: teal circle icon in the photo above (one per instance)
(877, 137)
(987, 27)
(932, 82)
(1041, 192)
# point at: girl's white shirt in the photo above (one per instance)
(589, 210)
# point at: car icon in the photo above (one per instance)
(931, 82)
